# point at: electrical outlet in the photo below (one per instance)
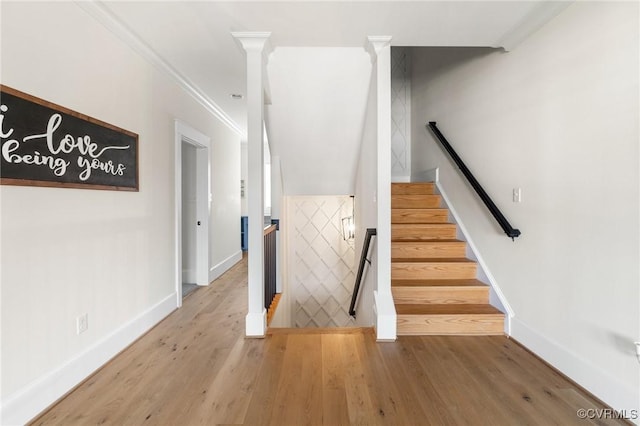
(82, 323)
(517, 195)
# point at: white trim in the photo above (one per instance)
(254, 44)
(597, 381)
(186, 133)
(222, 267)
(501, 298)
(103, 15)
(385, 314)
(256, 324)
(385, 318)
(34, 398)
(404, 179)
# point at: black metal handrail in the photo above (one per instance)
(363, 258)
(493, 209)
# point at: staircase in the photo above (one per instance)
(434, 285)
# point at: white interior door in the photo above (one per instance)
(189, 214)
(192, 206)
(202, 216)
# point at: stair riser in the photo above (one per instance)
(416, 325)
(432, 270)
(441, 295)
(425, 232)
(419, 216)
(415, 201)
(434, 288)
(412, 188)
(416, 250)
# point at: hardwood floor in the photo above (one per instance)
(196, 368)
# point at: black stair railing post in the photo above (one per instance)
(493, 209)
(270, 255)
(363, 258)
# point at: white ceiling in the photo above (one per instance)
(194, 38)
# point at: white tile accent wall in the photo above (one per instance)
(323, 262)
(400, 114)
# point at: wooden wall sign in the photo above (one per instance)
(44, 144)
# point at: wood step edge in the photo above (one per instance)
(455, 282)
(454, 260)
(447, 309)
(433, 241)
(320, 330)
(422, 225)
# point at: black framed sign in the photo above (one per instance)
(44, 144)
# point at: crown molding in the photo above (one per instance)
(103, 15)
(375, 44)
(254, 41)
(535, 20)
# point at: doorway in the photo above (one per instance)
(192, 206)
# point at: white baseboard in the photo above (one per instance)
(498, 299)
(34, 398)
(256, 324)
(224, 266)
(402, 179)
(385, 318)
(610, 390)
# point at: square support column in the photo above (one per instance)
(385, 312)
(254, 45)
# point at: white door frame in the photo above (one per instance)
(187, 134)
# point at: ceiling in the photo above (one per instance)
(194, 39)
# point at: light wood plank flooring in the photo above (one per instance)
(196, 368)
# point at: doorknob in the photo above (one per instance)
(198, 223)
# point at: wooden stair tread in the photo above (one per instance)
(437, 283)
(415, 201)
(422, 231)
(435, 241)
(432, 260)
(424, 225)
(319, 330)
(446, 309)
(398, 188)
(419, 215)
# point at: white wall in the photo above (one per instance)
(558, 117)
(366, 210)
(318, 97)
(109, 254)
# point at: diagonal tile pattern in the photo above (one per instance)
(323, 262)
(400, 110)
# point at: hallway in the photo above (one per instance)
(196, 368)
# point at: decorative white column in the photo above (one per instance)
(385, 312)
(254, 44)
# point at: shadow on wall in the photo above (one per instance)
(442, 59)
